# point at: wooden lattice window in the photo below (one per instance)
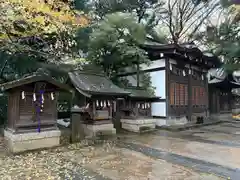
(203, 97)
(186, 95)
(193, 96)
(197, 92)
(182, 94)
(177, 94)
(172, 93)
(27, 109)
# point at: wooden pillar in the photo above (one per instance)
(77, 130)
(110, 110)
(138, 75)
(218, 101)
(207, 96)
(117, 117)
(230, 100)
(167, 86)
(94, 108)
(190, 94)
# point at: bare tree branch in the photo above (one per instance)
(184, 19)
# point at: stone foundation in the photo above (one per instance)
(30, 141)
(222, 117)
(138, 125)
(93, 130)
(171, 121)
(175, 121)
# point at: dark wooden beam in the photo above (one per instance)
(142, 71)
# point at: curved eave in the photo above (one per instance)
(109, 94)
(225, 84)
(35, 78)
(178, 52)
(151, 99)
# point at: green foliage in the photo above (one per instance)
(104, 7)
(33, 31)
(147, 83)
(225, 41)
(114, 43)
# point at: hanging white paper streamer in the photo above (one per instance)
(42, 98)
(97, 103)
(101, 103)
(138, 105)
(34, 97)
(189, 71)
(87, 106)
(108, 103)
(161, 54)
(170, 67)
(23, 95)
(104, 104)
(142, 106)
(202, 77)
(184, 73)
(52, 96)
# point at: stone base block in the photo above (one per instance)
(99, 129)
(161, 122)
(171, 121)
(222, 117)
(138, 125)
(30, 141)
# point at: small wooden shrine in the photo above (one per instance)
(32, 111)
(136, 110)
(96, 95)
(138, 104)
(221, 98)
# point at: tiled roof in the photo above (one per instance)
(93, 83)
(36, 77)
(141, 93)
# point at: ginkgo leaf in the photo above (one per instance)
(39, 15)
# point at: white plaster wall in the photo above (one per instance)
(159, 109)
(158, 79)
(154, 64)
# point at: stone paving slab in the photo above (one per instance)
(235, 125)
(202, 138)
(197, 165)
(177, 128)
(222, 129)
(123, 164)
(192, 149)
(218, 137)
